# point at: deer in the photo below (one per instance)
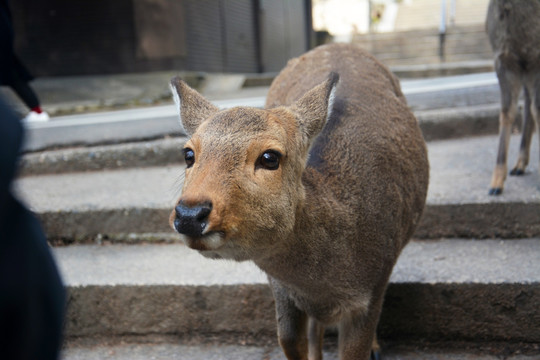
(514, 34)
(321, 189)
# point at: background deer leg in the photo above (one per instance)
(528, 129)
(375, 349)
(510, 86)
(535, 108)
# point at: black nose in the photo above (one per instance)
(192, 220)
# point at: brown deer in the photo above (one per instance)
(321, 190)
(513, 27)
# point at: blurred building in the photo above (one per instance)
(65, 37)
(408, 32)
(346, 18)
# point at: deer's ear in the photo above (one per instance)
(192, 107)
(314, 108)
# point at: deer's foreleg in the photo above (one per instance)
(510, 86)
(292, 325)
(535, 108)
(315, 336)
(528, 129)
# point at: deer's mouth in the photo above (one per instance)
(210, 241)
(214, 245)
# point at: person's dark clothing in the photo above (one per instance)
(25, 92)
(32, 297)
(11, 67)
(13, 73)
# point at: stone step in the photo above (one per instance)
(442, 95)
(422, 40)
(396, 53)
(436, 124)
(429, 57)
(469, 117)
(217, 351)
(424, 13)
(422, 46)
(116, 203)
(416, 71)
(458, 290)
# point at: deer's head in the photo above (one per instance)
(243, 181)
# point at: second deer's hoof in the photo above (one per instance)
(495, 191)
(517, 172)
(375, 355)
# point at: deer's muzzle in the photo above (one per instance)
(192, 220)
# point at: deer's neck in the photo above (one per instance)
(306, 248)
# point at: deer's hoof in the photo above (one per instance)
(517, 172)
(375, 355)
(495, 191)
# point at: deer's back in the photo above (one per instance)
(370, 158)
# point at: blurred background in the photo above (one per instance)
(61, 37)
(95, 55)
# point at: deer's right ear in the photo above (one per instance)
(192, 107)
(314, 108)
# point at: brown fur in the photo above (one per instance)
(513, 27)
(327, 228)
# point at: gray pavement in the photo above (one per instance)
(162, 122)
(169, 289)
(177, 351)
(82, 94)
(453, 261)
(137, 200)
(429, 98)
(134, 124)
(171, 264)
(460, 173)
(93, 158)
(436, 124)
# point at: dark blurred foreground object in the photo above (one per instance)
(32, 297)
(12, 71)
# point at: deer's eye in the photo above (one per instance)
(189, 156)
(269, 160)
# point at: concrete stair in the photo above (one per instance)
(415, 14)
(475, 290)
(462, 43)
(219, 351)
(466, 287)
(130, 279)
(125, 202)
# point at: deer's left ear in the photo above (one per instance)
(314, 108)
(192, 107)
